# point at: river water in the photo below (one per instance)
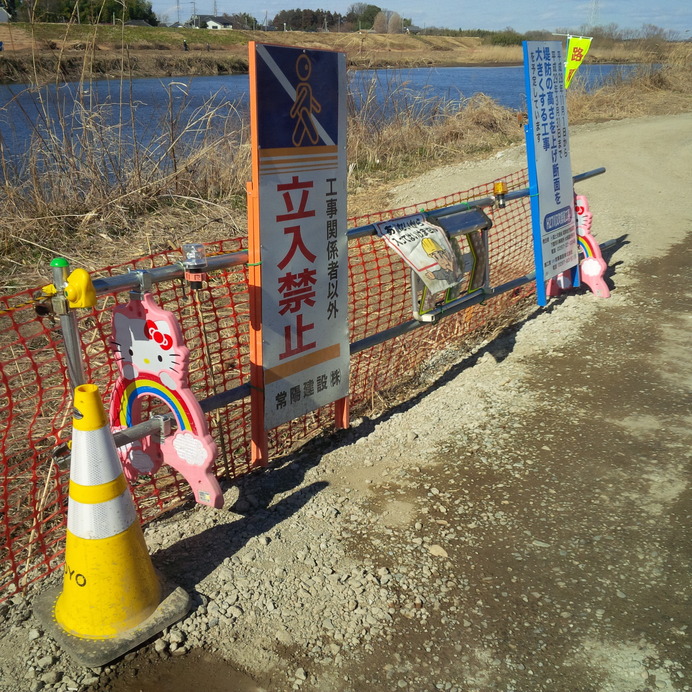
(147, 107)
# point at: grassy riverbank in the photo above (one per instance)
(109, 197)
(36, 53)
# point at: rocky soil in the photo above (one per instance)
(519, 524)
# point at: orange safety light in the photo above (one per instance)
(500, 190)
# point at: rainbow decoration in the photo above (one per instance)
(128, 393)
(586, 245)
(148, 341)
(592, 267)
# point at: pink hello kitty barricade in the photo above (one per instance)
(153, 362)
(592, 267)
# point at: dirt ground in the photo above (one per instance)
(522, 524)
(15, 39)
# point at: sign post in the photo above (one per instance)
(550, 169)
(298, 248)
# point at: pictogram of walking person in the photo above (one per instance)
(305, 105)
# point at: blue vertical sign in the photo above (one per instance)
(550, 170)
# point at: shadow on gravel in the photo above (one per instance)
(499, 348)
(257, 490)
(608, 254)
(190, 560)
(617, 245)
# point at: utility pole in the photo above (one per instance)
(593, 19)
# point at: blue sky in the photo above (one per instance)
(521, 15)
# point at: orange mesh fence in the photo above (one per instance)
(35, 399)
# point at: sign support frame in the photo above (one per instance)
(259, 455)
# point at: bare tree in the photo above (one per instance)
(357, 8)
(396, 24)
(380, 24)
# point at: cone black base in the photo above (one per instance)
(93, 653)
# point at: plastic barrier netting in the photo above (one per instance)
(35, 399)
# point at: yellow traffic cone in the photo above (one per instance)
(111, 598)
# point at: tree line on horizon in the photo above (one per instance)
(81, 11)
(359, 16)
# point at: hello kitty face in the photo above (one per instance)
(144, 346)
(584, 215)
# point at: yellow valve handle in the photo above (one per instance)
(79, 291)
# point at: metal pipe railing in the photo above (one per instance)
(137, 280)
(369, 229)
(450, 309)
(133, 280)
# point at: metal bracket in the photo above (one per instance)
(463, 222)
(145, 281)
(455, 223)
(159, 427)
(165, 427)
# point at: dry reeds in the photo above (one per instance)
(649, 90)
(94, 170)
(93, 167)
(89, 160)
(395, 132)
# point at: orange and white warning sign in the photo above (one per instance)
(298, 239)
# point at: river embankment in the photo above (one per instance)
(60, 213)
(37, 54)
(46, 67)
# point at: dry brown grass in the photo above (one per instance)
(106, 200)
(106, 182)
(650, 91)
(415, 133)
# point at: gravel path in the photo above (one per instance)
(521, 524)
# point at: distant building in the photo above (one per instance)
(137, 22)
(4, 16)
(210, 22)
